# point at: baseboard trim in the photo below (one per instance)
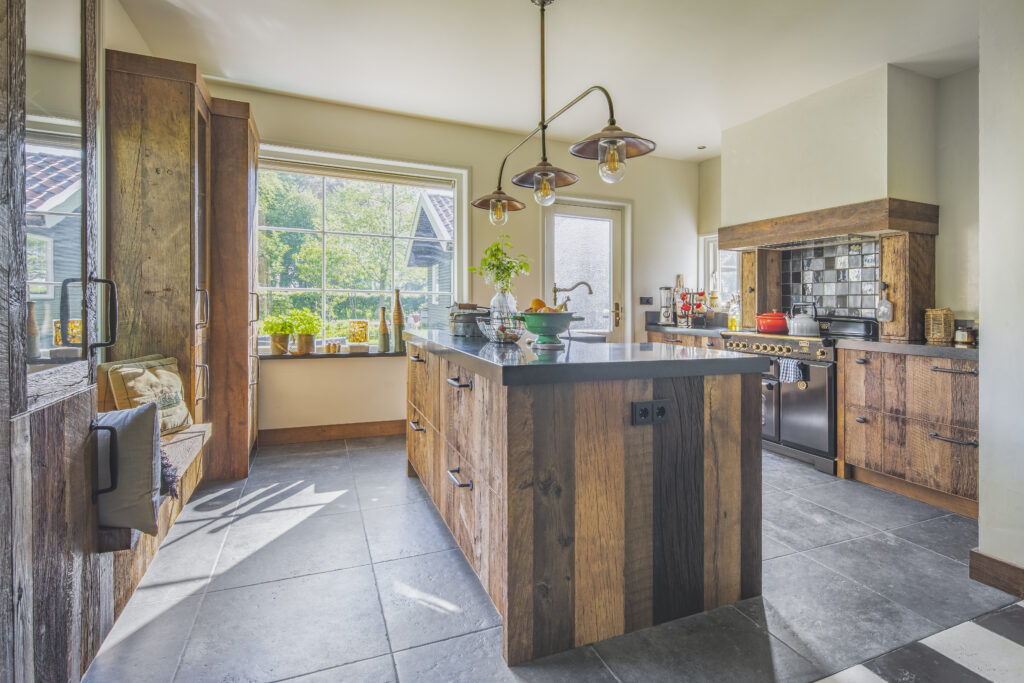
(352, 430)
(946, 501)
(1006, 576)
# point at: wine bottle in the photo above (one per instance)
(398, 323)
(384, 341)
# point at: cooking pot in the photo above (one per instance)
(771, 323)
(804, 324)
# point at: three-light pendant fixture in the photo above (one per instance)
(610, 147)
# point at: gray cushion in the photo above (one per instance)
(134, 503)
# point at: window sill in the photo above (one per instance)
(316, 356)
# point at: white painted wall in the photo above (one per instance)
(911, 136)
(119, 32)
(956, 248)
(709, 216)
(663, 194)
(1001, 281)
(307, 392)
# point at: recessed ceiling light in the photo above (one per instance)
(702, 146)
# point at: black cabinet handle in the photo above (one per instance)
(709, 344)
(112, 462)
(415, 426)
(255, 295)
(861, 420)
(111, 314)
(205, 322)
(770, 386)
(973, 443)
(954, 371)
(462, 485)
(750, 289)
(861, 361)
(417, 359)
(459, 384)
(206, 382)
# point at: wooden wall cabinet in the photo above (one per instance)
(158, 214)
(908, 273)
(913, 419)
(760, 278)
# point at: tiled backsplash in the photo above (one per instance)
(840, 279)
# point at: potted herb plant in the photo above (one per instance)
(279, 328)
(499, 267)
(305, 326)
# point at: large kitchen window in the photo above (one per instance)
(339, 243)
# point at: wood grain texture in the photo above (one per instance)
(639, 512)
(769, 280)
(748, 288)
(422, 376)
(519, 523)
(600, 522)
(908, 269)
(961, 506)
(553, 519)
(20, 657)
(90, 176)
(947, 467)
(876, 215)
(233, 212)
(992, 571)
(678, 505)
(314, 433)
(863, 438)
(750, 486)
(723, 450)
(949, 398)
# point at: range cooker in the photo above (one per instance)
(798, 417)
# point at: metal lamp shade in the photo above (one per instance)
(635, 145)
(485, 201)
(562, 178)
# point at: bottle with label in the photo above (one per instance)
(398, 323)
(384, 342)
(735, 314)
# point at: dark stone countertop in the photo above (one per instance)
(509, 364)
(909, 348)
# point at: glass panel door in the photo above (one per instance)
(583, 244)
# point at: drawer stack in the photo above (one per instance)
(911, 417)
(455, 439)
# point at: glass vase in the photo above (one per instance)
(503, 305)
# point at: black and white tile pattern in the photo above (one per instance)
(839, 279)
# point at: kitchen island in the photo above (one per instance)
(595, 490)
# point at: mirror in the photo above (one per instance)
(53, 183)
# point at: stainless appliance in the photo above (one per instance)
(666, 315)
(798, 419)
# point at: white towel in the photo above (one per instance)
(790, 371)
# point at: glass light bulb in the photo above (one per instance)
(611, 160)
(544, 188)
(499, 212)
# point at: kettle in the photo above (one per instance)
(804, 324)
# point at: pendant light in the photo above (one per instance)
(610, 147)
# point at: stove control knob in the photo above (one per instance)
(757, 347)
(821, 353)
(788, 349)
(773, 348)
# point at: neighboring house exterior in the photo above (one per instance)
(434, 251)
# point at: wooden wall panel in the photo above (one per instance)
(519, 492)
(722, 413)
(750, 484)
(769, 280)
(639, 512)
(748, 289)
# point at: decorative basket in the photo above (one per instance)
(938, 325)
(501, 329)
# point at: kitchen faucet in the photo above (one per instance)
(555, 289)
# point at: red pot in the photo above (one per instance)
(772, 323)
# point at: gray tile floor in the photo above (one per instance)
(329, 564)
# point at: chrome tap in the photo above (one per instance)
(555, 289)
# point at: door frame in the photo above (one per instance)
(625, 209)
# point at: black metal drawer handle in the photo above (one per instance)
(256, 296)
(459, 384)
(415, 426)
(205, 322)
(111, 314)
(206, 382)
(709, 344)
(973, 443)
(462, 485)
(861, 361)
(417, 359)
(954, 371)
(112, 462)
(862, 420)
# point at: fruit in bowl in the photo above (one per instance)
(547, 325)
(539, 306)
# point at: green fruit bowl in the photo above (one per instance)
(547, 326)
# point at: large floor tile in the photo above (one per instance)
(375, 491)
(980, 650)
(184, 561)
(953, 536)
(832, 621)
(721, 645)
(917, 662)
(377, 442)
(932, 585)
(279, 545)
(476, 658)
(880, 508)
(785, 473)
(406, 530)
(772, 548)
(385, 464)
(312, 447)
(332, 488)
(286, 628)
(145, 643)
(803, 525)
(376, 670)
(212, 501)
(431, 597)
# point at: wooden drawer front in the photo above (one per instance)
(863, 432)
(716, 343)
(472, 420)
(943, 458)
(468, 512)
(656, 337)
(419, 447)
(862, 374)
(422, 376)
(943, 390)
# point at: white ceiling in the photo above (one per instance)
(680, 71)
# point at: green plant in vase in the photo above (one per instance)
(499, 267)
(279, 328)
(306, 325)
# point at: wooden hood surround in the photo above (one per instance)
(905, 229)
(875, 216)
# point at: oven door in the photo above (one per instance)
(770, 408)
(807, 411)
